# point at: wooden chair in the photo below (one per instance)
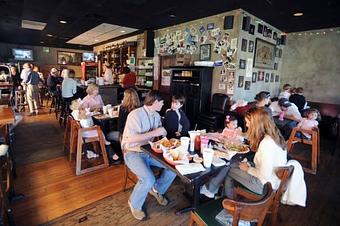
(314, 142)
(239, 210)
(283, 173)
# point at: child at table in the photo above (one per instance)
(308, 123)
(176, 123)
(231, 130)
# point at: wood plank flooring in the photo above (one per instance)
(52, 189)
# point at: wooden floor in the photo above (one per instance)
(52, 189)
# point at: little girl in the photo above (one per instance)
(231, 130)
(309, 123)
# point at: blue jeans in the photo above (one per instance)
(230, 173)
(139, 163)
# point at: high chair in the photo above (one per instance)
(314, 142)
(77, 138)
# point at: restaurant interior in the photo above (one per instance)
(144, 112)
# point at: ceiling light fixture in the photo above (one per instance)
(96, 40)
(122, 31)
(49, 35)
(298, 14)
(63, 21)
(172, 16)
(42, 42)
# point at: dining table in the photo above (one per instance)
(196, 180)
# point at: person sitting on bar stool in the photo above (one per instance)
(69, 85)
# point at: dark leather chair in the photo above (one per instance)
(214, 120)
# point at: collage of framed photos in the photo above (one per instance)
(260, 76)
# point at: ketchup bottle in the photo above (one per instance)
(197, 143)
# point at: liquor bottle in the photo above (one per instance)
(198, 143)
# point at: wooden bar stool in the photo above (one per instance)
(20, 100)
(83, 138)
(314, 142)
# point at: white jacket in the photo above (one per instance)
(267, 158)
(296, 193)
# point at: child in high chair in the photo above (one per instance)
(84, 117)
(231, 130)
(309, 123)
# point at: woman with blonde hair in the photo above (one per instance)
(270, 152)
(93, 100)
(129, 103)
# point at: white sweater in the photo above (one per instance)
(268, 156)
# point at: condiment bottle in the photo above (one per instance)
(197, 143)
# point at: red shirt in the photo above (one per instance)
(129, 80)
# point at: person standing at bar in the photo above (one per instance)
(32, 81)
(129, 79)
(142, 125)
(108, 76)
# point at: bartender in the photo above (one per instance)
(129, 78)
(108, 76)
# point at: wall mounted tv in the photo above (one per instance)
(88, 57)
(23, 54)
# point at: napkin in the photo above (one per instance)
(190, 168)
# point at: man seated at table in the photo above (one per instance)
(286, 116)
(142, 125)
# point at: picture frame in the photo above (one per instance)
(252, 29)
(260, 76)
(205, 52)
(276, 66)
(68, 58)
(267, 78)
(272, 77)
(251, 46)
(253, 78)
(277, 78)
(247, 85)
(275, 36)
(244, 45)
(242, 64)
(240, 81)
(260, 28)
(264, 56)
(210, 26)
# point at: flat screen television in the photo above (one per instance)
(23, 54)
(88, 57)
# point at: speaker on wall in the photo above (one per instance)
(246, 23)
(228, 22)
(149, 45)
(283, 39)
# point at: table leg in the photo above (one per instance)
(196, 200)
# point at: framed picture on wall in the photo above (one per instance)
(251, 46)
(251, 29)
(70, 58)
(277, 78)
(260, 76)
(267, 78)
(205, 52)
(272, 77)
(244, 45)
(259, 28)
(254, 76)
(264, 54)
(242, 64)
(247, 85)
(240, 81)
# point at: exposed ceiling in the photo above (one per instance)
(84, 15)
